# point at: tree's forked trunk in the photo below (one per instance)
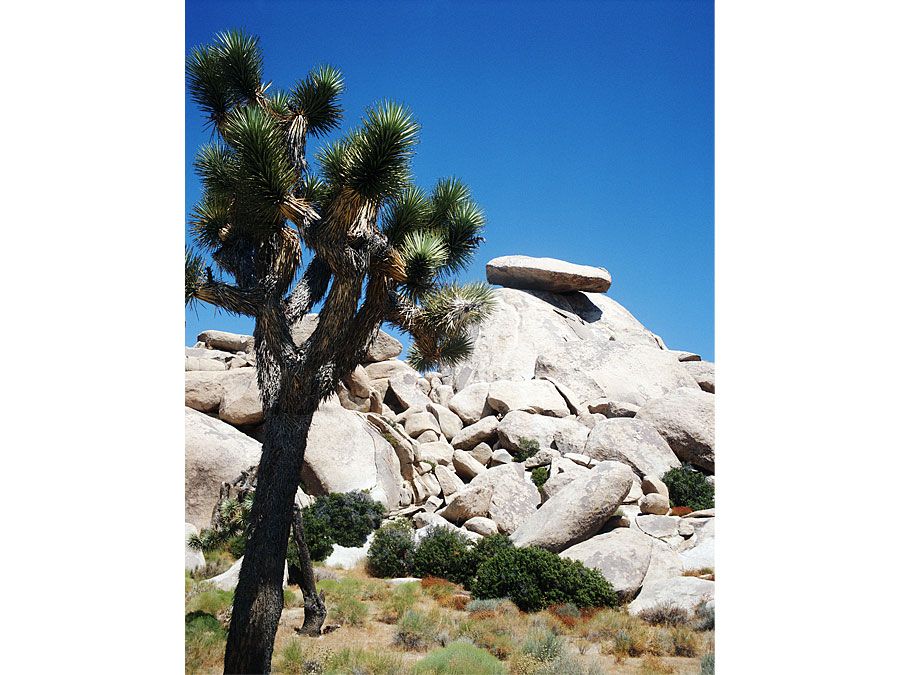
(313, 602)
(259, 598)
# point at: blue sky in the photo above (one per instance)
(584, 129)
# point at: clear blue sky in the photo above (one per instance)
(585, 129)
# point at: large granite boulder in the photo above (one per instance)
(686, 418)
(229, 342)
(231, 395)
(500, 493)
(345, 453)
(546, 274)
(214, 452)
(562, 434)
(470, 404)
(628, 373)
(685, 592)
(383, 347)
(533, 396)
(483, 431)
(526, 323)
(578, 511)
(634, 442)
(228, 580)
(704, 373)
(622, 555)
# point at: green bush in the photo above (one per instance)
(534, 579)
(688, 487)
(528, 447)
(349, 517)
(442, 553)
(318, 536)
(483, 550)
(349, 610)
(209, 600)
(540, 475)
(459, 658)
(391, 551)
(544, 645)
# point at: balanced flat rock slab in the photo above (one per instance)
(547, 274)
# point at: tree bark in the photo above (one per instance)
(313, 602)
(259, 598)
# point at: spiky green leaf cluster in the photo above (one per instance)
(226, 73)
(193, 274)
(316, 97)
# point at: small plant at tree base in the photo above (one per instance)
(443, 553)
(540, 475)
(534, 579)
(349, 518)
(527, 447)
(391, 551)
(688, 487)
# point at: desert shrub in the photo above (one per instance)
(391, 551)
(209, 600)
(540, 475)
(567, 614)
(634, 641)
(684, 641)
(534, 579)
(665, 615)
(688, 487)
(706, 617)
(459, 658)
(708, 664)
(438, 588)
(349, 610)
(417, 630)
(204, 642)
(349, 517)
(680, 511)
(444, 553)
(528, 447)
(317, 534)
(403, 598)
(363, 662)
(298, 658)
(486, 605)
(653, 665)
(483, 550)
(544, 645)
(490, 632)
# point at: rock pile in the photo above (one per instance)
(561, 377)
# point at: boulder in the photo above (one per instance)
(634, 442)
(628, 373)
(513, 497)
(193, 559)
(609, 408)
(665, 563)
(404, 388)
(344, 558)
(684, 592)
(450, 483)
(229, 342)
(484, 430)
(704, 372)
(385, 370)
(686, 418)
(542, 457)
(622, 556)
(483, 526)
(685, 357)
(500, 456)
(358, 382)
(533, 396)
(470, 502)
(653, 484)
(482, 453)
(654, 503)
(471, 403)
(546, 274)
(466, 466)
(345, 453)
(231, 395)
(578, 511)
(662, 527)
(193, 363)
(420, 422)
(214, 452)
(449, 422)
(437, 452)
(441, 394)
(562, 434)
(560, 476)
(383, 347)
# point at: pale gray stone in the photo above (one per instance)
(500, 456)
(513, 497)
(660, 526)
(533, 396)
(484, 430)
(466, 466)
(547, 274)
(229, 342)
(387, 369)
(621, 555)
(346, 558)
(686, 418)
(564, 435)
(383, 347)
(405, 389)
(480, 525)
(653, 484)
(482, 453)
(654, 503)
(470, 502)
(685, 592)
(227, 581)
(470, 404)
(449, 422)
(634, 442)
(542, 457)
(420, 422)
(450, 483)
(704, 372)
(612, 408)
(435, 453)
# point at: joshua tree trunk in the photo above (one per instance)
(259, 598)
(313, 602)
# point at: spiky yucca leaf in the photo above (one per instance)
(453, 307)
(462, 230)
(207, 83)
(380, 152)
(280, 104)
(217, 167)
(209, 221)
(193, 274)
(449, 350)
(316, 98)
(410, 211)
(422, 254)
(448, 194)
(241, 63)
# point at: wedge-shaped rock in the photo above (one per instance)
(578, 511)
(685, 592)
(471, 403)
(532, 396)
(231, 395)
(704, 373)
(213, 452)
(686, 418)
(484, 430)
(436, 452)
(562, 434)
(622, 555)
(228, 342)
(634, 442)
(466, 466)
(345, 453)
(449, 422)
(499, 493)
(546, 274)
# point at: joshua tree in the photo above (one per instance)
(378, 248)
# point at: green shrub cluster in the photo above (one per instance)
(540, 475)
(688, 487)
(527, 447)
(347, 517)
(531, 577)
(534, 579)
(459, 657)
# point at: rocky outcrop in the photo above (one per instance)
(686, 418)
(214, 452)
(622, 556)
(546, 274)
(230, 395)
(532, 396)
(685, 592)
(704, 372)
(634, 442)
